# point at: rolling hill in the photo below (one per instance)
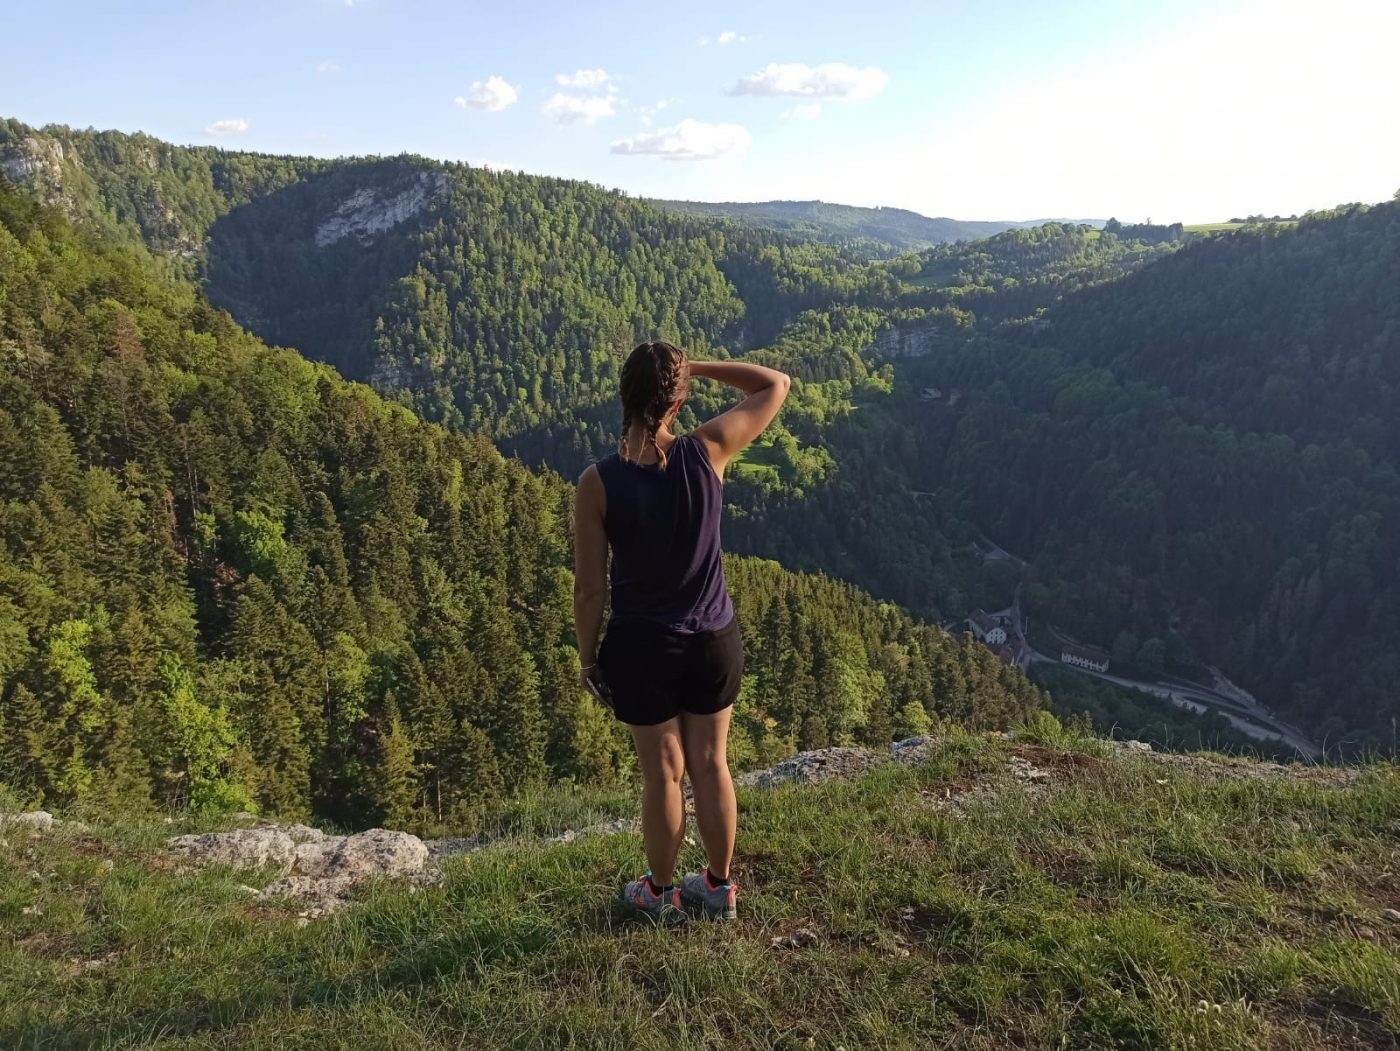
(879, 231)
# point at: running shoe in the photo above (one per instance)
(662, 908)
(714, 900)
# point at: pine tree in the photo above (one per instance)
(25, 761)
(399, 792)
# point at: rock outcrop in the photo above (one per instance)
(320, 871)
(368, 211)
(911, 342)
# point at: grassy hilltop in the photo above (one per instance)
(1047, 891)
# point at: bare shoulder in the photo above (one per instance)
(712, 448)
(589, 493)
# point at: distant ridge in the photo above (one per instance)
(880, 230)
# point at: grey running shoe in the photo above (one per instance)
(663, 908)
(715, 900)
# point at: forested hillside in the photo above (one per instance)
(229, 577)
(873, 231)
(1203, 458)
(1191, 438)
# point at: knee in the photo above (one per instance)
(710, 766)
(667, 770)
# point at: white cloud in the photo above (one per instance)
(834, 80)
(729, 37)
(328, 67)
(648, 112)
(492, 95)
(690, 140)
(584, 78)
(575, 109)
(703, 41)
(232, 126)
(806, 111)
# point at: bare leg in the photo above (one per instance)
(706, 741)
(662, 760)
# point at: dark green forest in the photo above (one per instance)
(1204, 456)
(229, 578)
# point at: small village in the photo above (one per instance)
(1003, 633)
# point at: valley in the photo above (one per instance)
(498, 304)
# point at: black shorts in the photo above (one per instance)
(655, 673)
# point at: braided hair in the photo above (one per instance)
(654, 377)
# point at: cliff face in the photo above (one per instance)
(369, 211)
(908, 342)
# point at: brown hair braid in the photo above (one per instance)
(655, 376)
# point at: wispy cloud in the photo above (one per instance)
(232, 126)
(647, 113)
(834, 80)
(806, 111)
(729, 36)
(493, 95)
(575, 109)
(690, 140)
(584, 78)
(328, 67)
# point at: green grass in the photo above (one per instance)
(1222, 228)
(1130, 904)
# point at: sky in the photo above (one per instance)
(1191, 110)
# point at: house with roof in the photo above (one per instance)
(988, 629)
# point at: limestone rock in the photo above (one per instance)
(247, 848)
(602, 828)
(318, 870)
(823, 764)
(38, 820)
(913, 749)
(378, 852)
(368, 211)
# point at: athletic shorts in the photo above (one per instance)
(655, 673)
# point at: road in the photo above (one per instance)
(1242, 711)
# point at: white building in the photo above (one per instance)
(1084, 657)
(988, 629)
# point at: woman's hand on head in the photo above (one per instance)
(729, 432)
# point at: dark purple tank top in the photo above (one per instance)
(663, 527)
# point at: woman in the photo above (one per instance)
(672, 660)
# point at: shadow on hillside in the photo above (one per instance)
(267, 269)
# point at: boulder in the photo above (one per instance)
(247, 848)
(378, 852)
(823, 764)
(38, 820)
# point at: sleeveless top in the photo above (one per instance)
(663, 527)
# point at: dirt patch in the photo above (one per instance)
(1317, 1026)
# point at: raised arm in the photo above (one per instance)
(728, 433)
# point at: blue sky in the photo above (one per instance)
(1008, 109)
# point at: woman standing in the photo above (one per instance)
(672, 660)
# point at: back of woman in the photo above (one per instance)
(672, 661)
(663, 526)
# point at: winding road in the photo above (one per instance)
(1242, 711)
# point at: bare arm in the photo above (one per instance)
(728, 433)
(590, 563)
